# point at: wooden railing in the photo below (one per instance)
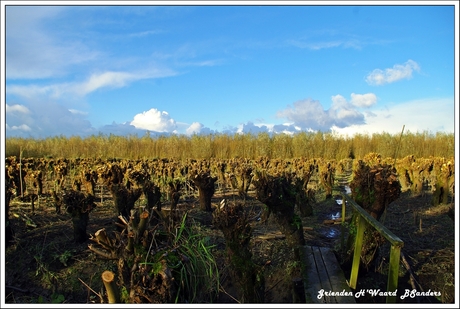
(364, 220)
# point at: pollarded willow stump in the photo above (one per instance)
(79, 205)
(153, 194)
(373, 188)
(279, 194)
(234, 224)
(241, 177)
(326, 176)
(124, 198)
(206, 188)
(442, 181)
(9, 194)
(147, 277)
(175, 187)
(89, 180)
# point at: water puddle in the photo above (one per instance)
(335, 216)
(331, 233)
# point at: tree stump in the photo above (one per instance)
(79, 205)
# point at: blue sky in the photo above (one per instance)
(82, 70)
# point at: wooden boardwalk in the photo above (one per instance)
(323, 272)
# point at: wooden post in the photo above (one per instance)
(342, 226)
(20, 171)
(393, 272)
(108, 278)
(399, 145)
(357, 254)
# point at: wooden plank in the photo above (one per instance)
(323, 275)
(311, 277)
(336, 276)
(322, 272)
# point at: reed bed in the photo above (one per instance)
(225, 146)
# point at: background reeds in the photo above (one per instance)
(224, 146)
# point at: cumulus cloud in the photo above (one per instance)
(306, 113)
(390, 75)
(154, 120)
(342, 113)
(194, 128)
(363, 100)
(250, 127)
(310, 115)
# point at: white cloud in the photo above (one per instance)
(310, 115)
(122, 129)
(154, 120)
(145, 33)
(22, 127)
(327, 44)
(75, 111)
(16, 108)
(34, 91)
(342, 113)
(417, 116)
(391, 75)
(45, 119)
(307, 113)
(363, 100)
(250, 127)
(194, 128)
(108, 79)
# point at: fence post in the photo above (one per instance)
(342, 227)
(393, 272)
(357, 253)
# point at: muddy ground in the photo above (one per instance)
(44, 264)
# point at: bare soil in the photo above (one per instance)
(44, 264)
